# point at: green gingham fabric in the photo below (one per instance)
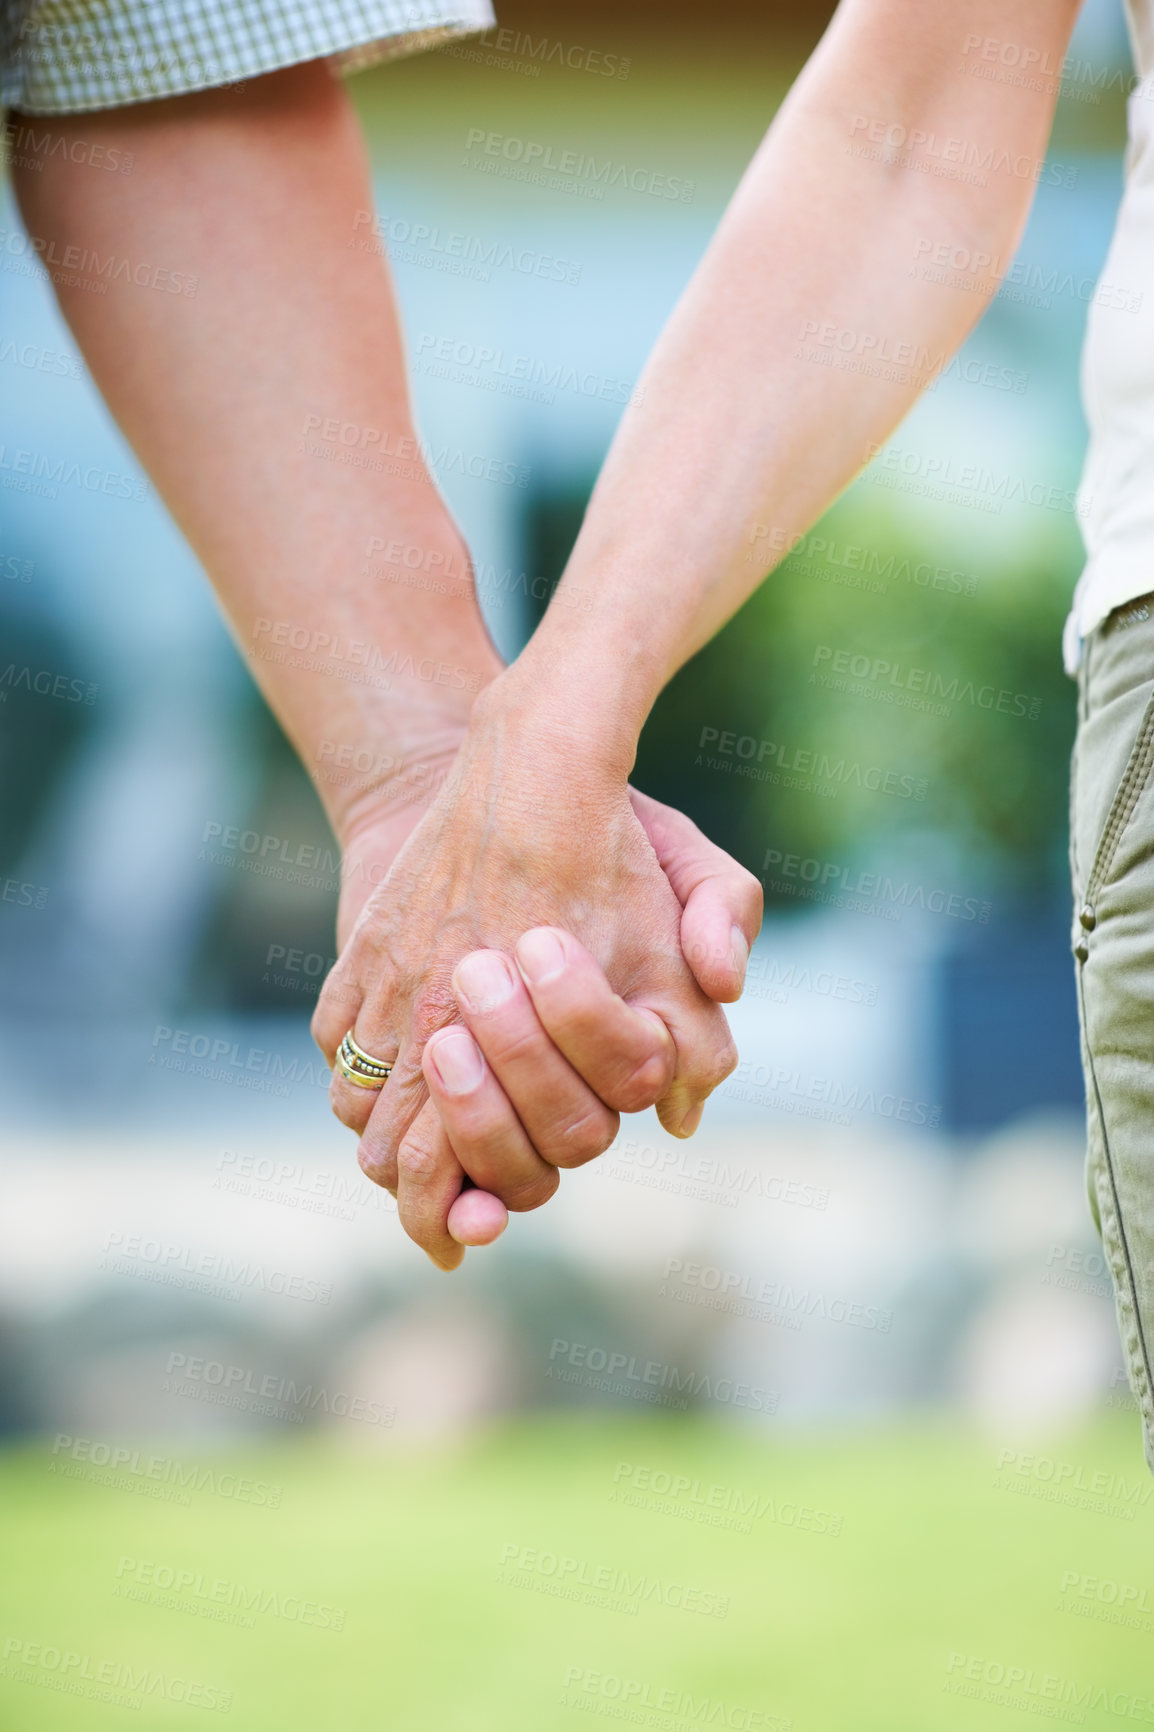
(69, 56)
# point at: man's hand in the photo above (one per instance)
(524, 833)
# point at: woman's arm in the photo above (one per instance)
(768, 388)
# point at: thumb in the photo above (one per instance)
(720, 901)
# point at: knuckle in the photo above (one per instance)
(323, 1027)
(485, 1132)
(520, 1199)
(495, 1150)
(352, 1113)
(516, 1043)
(417, 1162)
(754, 897)
(574, 1016)
(431, 1012)
(379, 1166)
(722, 1063)
(339, 995)
(583, 1139)
(640, 1087)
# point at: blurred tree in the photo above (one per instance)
(882, 691)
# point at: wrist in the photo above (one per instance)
(585, 690)
(387, 779)
(543, 716)
(385, 752)
(375, 680)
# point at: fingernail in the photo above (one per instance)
(484, 980)
(540, 956)
(457, 1060)
(445, 1267)
(739, 952)
(692, 1119)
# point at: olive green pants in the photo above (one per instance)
(1112, 865)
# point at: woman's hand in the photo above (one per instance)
(526, 831)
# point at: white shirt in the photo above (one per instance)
(1116, 497)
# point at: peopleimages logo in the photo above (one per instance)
(459, 253)
(24, 895)
(642, 1486)
(650, 1704)
(1025, 1687)
(805, 768)
(966, 483)
(37, 359)
(1071, 1483)
(191, 1590)
(831, 881)
(875, 354)
(1039, 285)
(42, 251)
(822, 1097)
(767, 977)
(221, 1060)
(614, 1587)
(878, 676)
(1102, 1597)
(967, 159)
(182, 1266)
(19, 136)
(157, 1474)
(709, 1283)
(545, 51)
(46, 684)
(493, 369)
(868, 567)
(625, 1372)
(16, 570)
(39, 471)
(236, 1381)
(530, 159)
(706, 1178)
(120, 1683)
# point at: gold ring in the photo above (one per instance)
(362, 1060)
(360, 1067)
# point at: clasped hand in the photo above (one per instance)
(548, 950)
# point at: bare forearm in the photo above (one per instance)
(740, 435)
(240, 398)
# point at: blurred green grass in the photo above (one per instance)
(831, 1630)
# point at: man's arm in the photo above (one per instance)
(239, 398)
